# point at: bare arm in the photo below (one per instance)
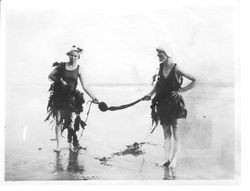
(85, 88)
(149, 95)
(188, 76)
(52, 75)
(54, 78)
(152, 91)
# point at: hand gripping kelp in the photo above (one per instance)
(103, 106)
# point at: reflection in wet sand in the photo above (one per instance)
(73, 164)
(168, 174)
(59, 165)
(69, 168)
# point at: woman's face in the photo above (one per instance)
(162, 56)
(73, 56)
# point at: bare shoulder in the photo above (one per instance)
(79, 69)
(177, 68)
(184, 73)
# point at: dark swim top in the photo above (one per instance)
(165, 86)
(70, 76)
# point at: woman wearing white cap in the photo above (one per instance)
(65, 100)
(168, 105)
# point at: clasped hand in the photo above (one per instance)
(94, 100)
(146, 98)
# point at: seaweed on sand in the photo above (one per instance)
(133, 149)
(104, 160)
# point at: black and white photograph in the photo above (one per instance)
(121, 91)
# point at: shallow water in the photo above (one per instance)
(207, 138)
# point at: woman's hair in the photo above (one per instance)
(75, 49)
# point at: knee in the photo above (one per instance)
(175, 133)
(167, 131)
(58, 122)
(58, 118)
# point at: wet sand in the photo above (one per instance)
(207, 138)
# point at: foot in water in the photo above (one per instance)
(57, 149)
(164, 163)
(82, 147)
(172, 164)
(169, 173)
(172, 168)
(77, 148)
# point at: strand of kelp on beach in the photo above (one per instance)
(134, 149)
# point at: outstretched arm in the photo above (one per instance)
(85, 88)
(188, 76)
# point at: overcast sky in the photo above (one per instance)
(119, 39)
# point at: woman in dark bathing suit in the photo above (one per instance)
(65, 100)
(168, 105)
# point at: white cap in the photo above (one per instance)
(167, 51)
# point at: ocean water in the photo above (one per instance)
(207, 137)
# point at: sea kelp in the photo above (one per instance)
(134, 149)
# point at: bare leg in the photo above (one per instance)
(176, 147)
(167, 145)
(76, 144)
(58, 132)
(167, 174)
(71, 147)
